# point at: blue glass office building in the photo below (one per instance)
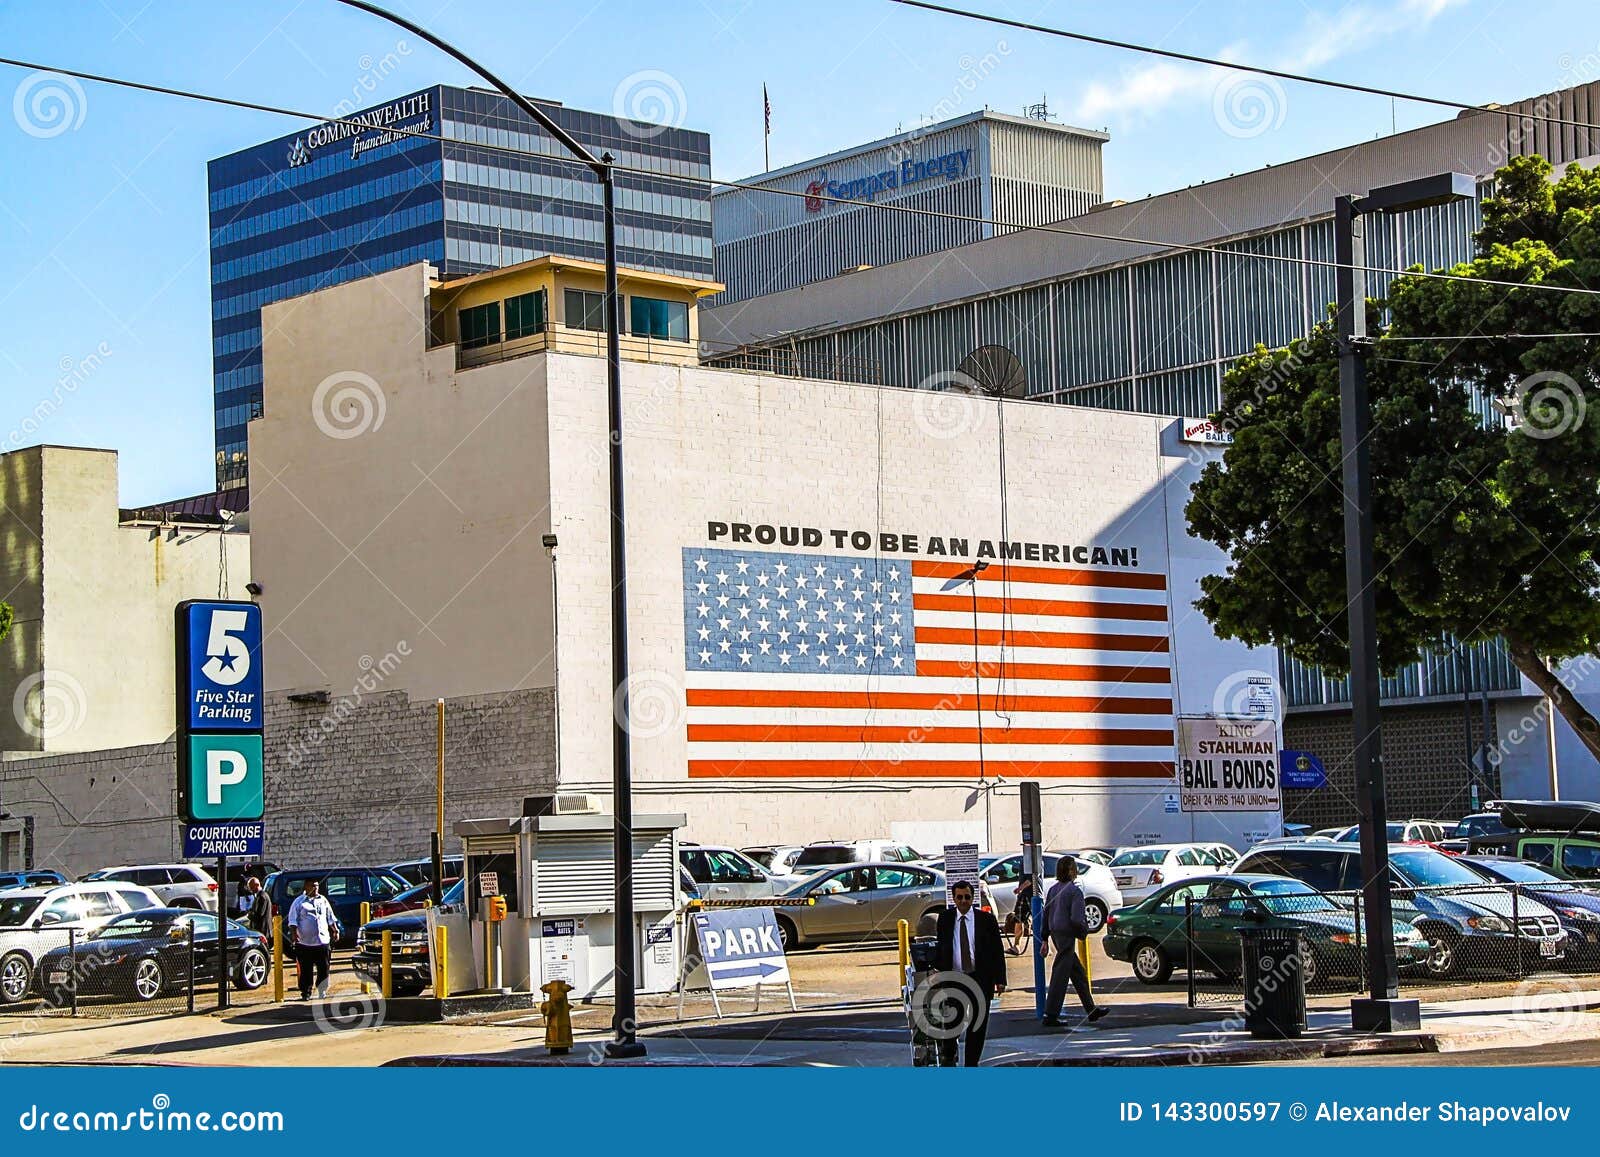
(486, 187)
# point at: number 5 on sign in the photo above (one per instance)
(229, 658)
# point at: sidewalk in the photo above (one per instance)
(1015, 1039)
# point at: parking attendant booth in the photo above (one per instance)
(555, 873)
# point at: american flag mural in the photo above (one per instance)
(813, 665)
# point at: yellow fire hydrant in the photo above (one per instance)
(557, 1013)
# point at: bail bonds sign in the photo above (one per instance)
(1228, 765)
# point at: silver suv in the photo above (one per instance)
(177, 885)
(831, 853)
(721, 873)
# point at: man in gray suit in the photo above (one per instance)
(1064, 925)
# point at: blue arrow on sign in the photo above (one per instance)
(761, 969)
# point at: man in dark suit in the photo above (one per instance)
(969, 942)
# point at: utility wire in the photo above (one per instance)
(713, 182)
(1277, 73)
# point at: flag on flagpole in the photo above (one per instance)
(766, 133)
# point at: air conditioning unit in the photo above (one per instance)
(576, 804)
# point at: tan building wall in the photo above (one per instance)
(419, 521)
(88, 664)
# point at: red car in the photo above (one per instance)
(412, 899)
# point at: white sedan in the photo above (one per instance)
(1100, 894)
(1140, 871)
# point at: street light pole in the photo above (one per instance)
(1381, 1010)
(624, 1042)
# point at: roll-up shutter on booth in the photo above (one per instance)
(575, 871)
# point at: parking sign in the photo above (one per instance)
(219, 685)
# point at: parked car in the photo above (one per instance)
(1468, 924)
(725, 874)
(1151, 935)
(32, 878)
(1100, 895)
(831, 853)
(1560, 836)
(409, 966)
(411, 899)
(776, 858)
(143, 954)
(1578, 907)
(1098, 855)
(346, 889)
(177, 885)
(1400, 832)
(862, 902)
(33, 921)
(416, 872)
(1140, 871)
(1477, 825)
(1326, 834)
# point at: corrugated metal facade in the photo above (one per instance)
(994, 167)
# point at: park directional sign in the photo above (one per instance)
(741, 947)
(221, 775)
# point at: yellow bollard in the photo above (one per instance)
(557, 1013)
(1083, 958)
(388, 963)
(905, 947)
(441, 967)
(277, 959)
(366, 915)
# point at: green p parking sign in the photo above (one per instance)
(224, 778)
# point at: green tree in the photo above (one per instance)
(5, 619)
(1482, 528)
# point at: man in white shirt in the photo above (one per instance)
(315, 929)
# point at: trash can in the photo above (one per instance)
(1274, 983)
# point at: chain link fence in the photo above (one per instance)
(1445, 936)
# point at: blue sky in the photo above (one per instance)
(103, 228)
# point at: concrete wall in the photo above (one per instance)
(397, 502)
(706, 445)
(348, 782)
(89, 664)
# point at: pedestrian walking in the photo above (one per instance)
(315, 929)
(257, 906)
(1065, 923)
(969, 942)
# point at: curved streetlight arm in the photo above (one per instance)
(567, 139)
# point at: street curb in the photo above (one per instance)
(1264, 1052)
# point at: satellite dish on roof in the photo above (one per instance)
(995, 371)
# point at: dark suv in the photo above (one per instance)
(346, 889)
(1468, 923)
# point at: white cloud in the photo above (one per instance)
(1139, 93)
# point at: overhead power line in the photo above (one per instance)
(1259, 70)
(1059, 228)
